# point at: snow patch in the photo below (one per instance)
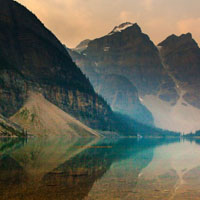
(121, 27)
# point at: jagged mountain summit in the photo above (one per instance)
(129, 53)
(117, 90)
(181, 55)
(132, 54)
(32, 59)
(123, 97)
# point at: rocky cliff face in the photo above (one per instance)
(181, 55)
(129, 52)
(166, 77)
(124, 66)
(33, 59)
(117, 90)
(123, 97)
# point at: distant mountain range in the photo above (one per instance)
(131, 72)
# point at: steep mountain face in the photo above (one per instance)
(123, 97)
(166, 77)
(117, 90)
(32, 59)
(120, 64)
(181, 55)
(129, 52)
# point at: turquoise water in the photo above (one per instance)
(89, 169)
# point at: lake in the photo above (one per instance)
(57, 168)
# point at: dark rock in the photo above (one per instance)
(132, 54)
(126, 54)
(181, 55)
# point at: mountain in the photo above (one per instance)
(123, 67)
(8, 128)
(181, 56)
(32, 59)
(166, 76)
(116, 89)
(129, 52)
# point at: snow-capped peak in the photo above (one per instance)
(121, 27)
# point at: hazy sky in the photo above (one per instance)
(75, 20)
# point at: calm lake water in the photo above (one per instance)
(90, 169)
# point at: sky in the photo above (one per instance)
(75, 20)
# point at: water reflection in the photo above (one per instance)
(59, 168)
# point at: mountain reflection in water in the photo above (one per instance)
(59, 168)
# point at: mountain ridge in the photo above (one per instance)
(181, 54)
(168, 72)
(129, 53)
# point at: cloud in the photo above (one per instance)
(190, 25)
